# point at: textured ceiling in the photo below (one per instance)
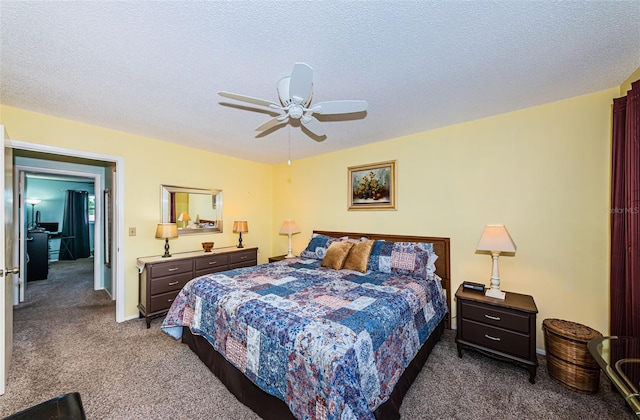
(154, 68)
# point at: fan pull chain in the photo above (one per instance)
(289, 160)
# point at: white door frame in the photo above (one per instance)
(19, 173)
(7, 280)
(117, 265)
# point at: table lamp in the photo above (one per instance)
(166, 231)
(240, 226)
(495, 239)
(184, 217)
(289, 227)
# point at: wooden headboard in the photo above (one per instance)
(441, 247)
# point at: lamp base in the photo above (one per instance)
(289, 255)
(166, 249)
(240, 241)
(495, 293)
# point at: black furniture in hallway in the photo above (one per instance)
(38, 251)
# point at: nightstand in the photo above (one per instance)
(277, 258)
(502, 329)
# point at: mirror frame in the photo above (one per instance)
(165, 207)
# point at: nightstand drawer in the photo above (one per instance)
(170, 268)
(495, 316)
(496, 338)
(162, 302)
(211, 262)
(169, 283)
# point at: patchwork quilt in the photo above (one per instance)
(331, 344)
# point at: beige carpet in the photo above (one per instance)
(66, 339)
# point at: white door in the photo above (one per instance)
(6, 260)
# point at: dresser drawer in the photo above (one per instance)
(243, 256)
(495, 316)
(496, 338)
(162, 302)
(169, 283)
(212, 262)
(170, 268)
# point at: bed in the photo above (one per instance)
(310, 337)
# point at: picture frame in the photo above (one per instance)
(372, 186)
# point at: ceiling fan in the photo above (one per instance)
(295, 92)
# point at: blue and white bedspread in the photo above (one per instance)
(332, 344)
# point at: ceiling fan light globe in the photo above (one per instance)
(296, 112)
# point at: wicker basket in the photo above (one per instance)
(568, 359)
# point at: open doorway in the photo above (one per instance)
(60, 221)
(108, 246)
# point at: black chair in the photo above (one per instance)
(63, 407)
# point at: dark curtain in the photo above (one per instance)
(74, 237)
(625, 215)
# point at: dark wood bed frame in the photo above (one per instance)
(272, 408)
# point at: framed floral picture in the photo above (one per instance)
(373, 186)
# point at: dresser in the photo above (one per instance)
(503, 329)
(161, 279)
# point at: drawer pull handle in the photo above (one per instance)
(495, 318)
(169, 300)
(173, 269)
(173, 283)
(213, 262)
(492, 338)
(243, 258)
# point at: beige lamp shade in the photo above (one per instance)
(289, 227)
(240, 226)
(166, 231)
(496, 238)
(184, 217)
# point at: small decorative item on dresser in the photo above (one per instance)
(207, 246)
(240, 227)
(568, 358)
(166, 231)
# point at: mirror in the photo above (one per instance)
(194, 210)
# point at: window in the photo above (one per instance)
(92, 208)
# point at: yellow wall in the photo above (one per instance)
(543, 172)
(244, 184)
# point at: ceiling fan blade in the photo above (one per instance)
(301, 83)
(273, 123)
(250, 99)
(313, 125)
(339, 107)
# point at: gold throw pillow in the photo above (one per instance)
(336, 254)
(358, 257)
